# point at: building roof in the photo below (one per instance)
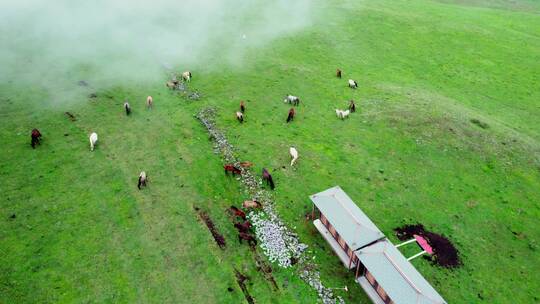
(350, 222)
(397, 276)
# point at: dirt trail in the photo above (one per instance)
(240, 279)
(220, 240)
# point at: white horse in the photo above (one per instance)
(186, 76)
(93, 140)
(342, 114)
(294, 155)
(353, 84)
(142, 180)
(292, 100)
(240, 116)
(149, 102)
(127, 107)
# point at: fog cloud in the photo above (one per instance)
(48, 42)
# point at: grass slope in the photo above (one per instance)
(84, 233)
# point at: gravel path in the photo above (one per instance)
(278, 242)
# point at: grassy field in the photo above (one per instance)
(82, 231)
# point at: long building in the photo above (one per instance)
(382, 271)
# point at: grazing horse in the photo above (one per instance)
(36, 135)
(338, 73)
(149, 102)
(127, 108)
(93, 140)
(291, 115)
(171, 84)
(294, 154)
(292, 100)
(242, 106)
(186, 76)
(342, 114)
(240, 117)
(251, 204)
(352, 106)
(243, 227)
(142, 180)
(246, 164)
(231, 168)
(248, 237)
(268, 178)
(353, 84)
(238, 212)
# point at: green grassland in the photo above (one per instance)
(84, 233)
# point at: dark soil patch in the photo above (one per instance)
(220, 240)
(265, 269)
(445, 254)
(71, 116)
(479, 123)
(241, 279)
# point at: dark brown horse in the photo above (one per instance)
(231, 168)
(291, 115)
(237, 212)
(242, 106)
(338, 73)
(352, 106)
(247, 237)
(268, 178)
(36, 136)
(244, 227)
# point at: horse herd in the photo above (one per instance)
(294, 101)
(244, 227)
(35, 136)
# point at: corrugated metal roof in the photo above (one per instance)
(397, 276)
(349, 221)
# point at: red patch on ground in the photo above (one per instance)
(445, 253)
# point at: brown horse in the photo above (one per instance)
(247, 237)
(268, 178)
(251, 204)
(36, 135)
(352, 106)
(291, 115)
(238, 212)
(242, 106)
(338, 73)
(246, 164)
(243, 227)
(231, 168)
